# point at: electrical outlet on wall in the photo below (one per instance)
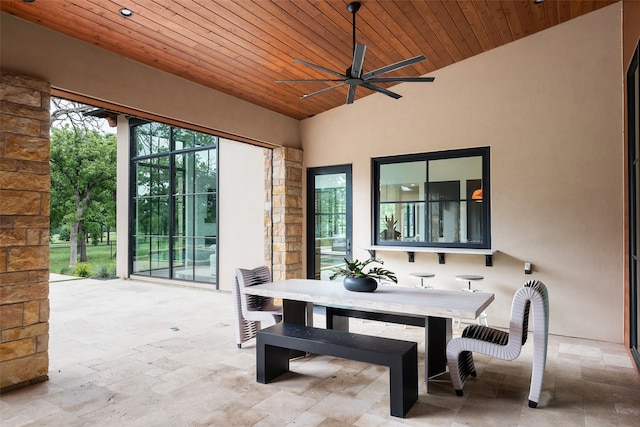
(527, 268)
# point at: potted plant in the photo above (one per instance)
(390, 232)
(356, 279)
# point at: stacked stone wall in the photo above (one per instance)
(24, 230)
(286, 214)
(268, 225)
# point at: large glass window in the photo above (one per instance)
(432, 199)
(174, 187)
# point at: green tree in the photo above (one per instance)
(83, 171)
(102, 211)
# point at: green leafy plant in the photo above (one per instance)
(390, 232)
(104, 272)
(355, 268)
(82, 270)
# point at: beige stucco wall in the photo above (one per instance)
(81, 68)
(550, 108)
(122, 197)
(242, 203)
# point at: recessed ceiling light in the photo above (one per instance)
(127, 13)
(538, 1)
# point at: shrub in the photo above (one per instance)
(82, 270)
(104, 272)
(65, 233)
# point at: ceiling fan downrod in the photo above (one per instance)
(354, 7)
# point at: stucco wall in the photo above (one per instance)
(550, 108)
(242, 204)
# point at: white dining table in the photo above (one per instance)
(437, 307)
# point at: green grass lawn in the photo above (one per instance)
(101, 254)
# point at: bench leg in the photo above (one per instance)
(403, 379)
(271, 361)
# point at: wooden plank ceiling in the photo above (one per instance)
(242, 47)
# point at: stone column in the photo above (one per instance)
(268, 188)
(286, 215)
(24, 230)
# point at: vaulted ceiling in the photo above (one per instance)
(242, 47)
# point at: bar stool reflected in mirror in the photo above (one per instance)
(422, 276)
(472, 278)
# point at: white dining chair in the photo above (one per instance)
(506, 345)
(252, 310)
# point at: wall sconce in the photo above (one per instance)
(477, 195)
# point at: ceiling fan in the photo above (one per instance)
(354, 75)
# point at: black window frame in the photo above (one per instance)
(634, 212)
(170, 153)
(483, 152)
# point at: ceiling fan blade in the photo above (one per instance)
(351, 96)
(358, 61)
(318, 67)
(381, 90)
(400, 79)
(322, 90)
(393, 67)
(309, 80)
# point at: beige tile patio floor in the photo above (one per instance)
(133, 353)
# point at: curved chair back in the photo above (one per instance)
(249, 278)
(532, 297)
(252, 309)
(531, 294)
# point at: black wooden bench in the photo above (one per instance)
(439, 333)
(273, 345)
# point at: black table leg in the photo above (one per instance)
(299, 313)
(335, 321)
(438, 332)
(294, 312)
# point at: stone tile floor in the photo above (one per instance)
(134, 353)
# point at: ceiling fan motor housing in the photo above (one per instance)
(353, 7)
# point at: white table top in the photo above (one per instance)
(388, 299)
